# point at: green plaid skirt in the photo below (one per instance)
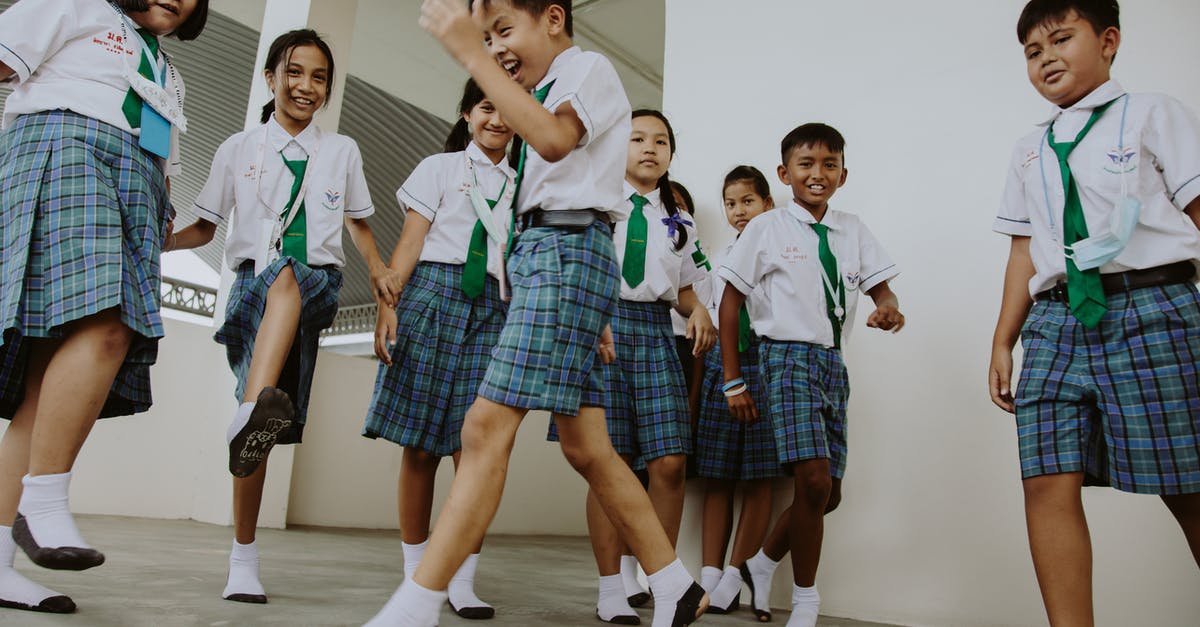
(82, 213)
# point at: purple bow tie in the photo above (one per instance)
(675, 222)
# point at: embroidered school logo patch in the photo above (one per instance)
(792, 254)
(852, 280)
(333, 200)
(1122, 161)
(1029, 159)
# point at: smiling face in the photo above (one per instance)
(164, 16)
(742, 203)
(814, 172)
(488, 129)
(1067, 59)
(649, 153)
(300, 85)
(522, 43)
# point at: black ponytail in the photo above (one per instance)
(664, 182)
(460, 134)
(281, 51)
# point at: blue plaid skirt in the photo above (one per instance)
(646, 407)
(564, 290)
(244, 312)
(444, 342)
(82, 214)
(1121, 402)
(725, 448)
(807, 391)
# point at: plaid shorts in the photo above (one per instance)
(646, 407)
(83, 212)
(807, 389)
(248, 299)
(725, 448)
(564, 290)
(1120, 402)
(444, 342)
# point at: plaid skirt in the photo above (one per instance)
(248, 299)
(1121, 402)
(565, 285)
(82, 213)
(725, 448)
(444, 342)
(646, 407)
(807, 391)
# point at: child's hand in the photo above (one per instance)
(701, 331)
(450, 22)
(385, 334)
(1000, 379)
(886, 317)
(742, 407)
(386, 283)
(606, 346)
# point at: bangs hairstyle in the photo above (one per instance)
(813, 134)
(664, 182)
(460, 134)
(280, 52)
(536, 8)
(751, 174)
(1101, 14)
(187, 31)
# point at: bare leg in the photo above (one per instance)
(717, 522)
(418, 470)
(667, 476)
(247, 500)
(457, 457)
(752, 524)
(1186, 509)
(14, 447)
(607, 545)
(1061, 547)
(273, 342)
(778, 541)
(812, 486)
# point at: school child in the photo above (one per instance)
(91, 134)
(289, 187)
(810, 262)
(728, 452)
(564, 291)
(436, 344)
(646, 407)
(1102, 205)
(693, 369)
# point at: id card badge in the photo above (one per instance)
(156, 132)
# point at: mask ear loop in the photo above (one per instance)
(1121, 150)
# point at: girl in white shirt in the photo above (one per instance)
(436, 344)
(91, 135)
(293, 187)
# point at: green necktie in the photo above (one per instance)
(295, 237)
(475, 268)
(829, 267)
(540, 96)
(633, 265)
(1084, 289)
(132, 107)
(743, 329)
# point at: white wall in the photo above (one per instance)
(931, 95)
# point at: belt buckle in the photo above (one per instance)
(1059, 293)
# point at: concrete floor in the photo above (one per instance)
(171, 573)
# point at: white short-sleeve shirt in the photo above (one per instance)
(667, 270)
(701, 286)
(777, 252)
(437, 190)
(73, 54)
(250, 179)
(592, 175)
(756, 303)
(1150, 139)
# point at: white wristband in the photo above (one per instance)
(737, 391)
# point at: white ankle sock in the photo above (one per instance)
(14, 587)
(629, 576)
(806, 606)
(762, 571)
(612, 601)
(410, 606)
(728, 589)
(45, 508)
(239, 420)
(462, 586)
(243, 571)
(412, 557)
(710, 576)
(668, 587)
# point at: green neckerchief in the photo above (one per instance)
(475, 268)
(295, 237)
(132, 106)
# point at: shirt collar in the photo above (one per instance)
(280, 138)
(556, 66)
(805, 217)
(1109, 91)
(652, 199)
(475, 153)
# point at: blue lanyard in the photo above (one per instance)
(1042, 161)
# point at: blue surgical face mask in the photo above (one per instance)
(1098, 250)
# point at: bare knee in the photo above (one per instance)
(835, 495)
(420, 461)
(1057, 490)
(586, 456)
(483, 434)
(813, 484)
(285, 285)
(669, 470)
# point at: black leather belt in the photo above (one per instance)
(1178, 272)
(568, 219)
